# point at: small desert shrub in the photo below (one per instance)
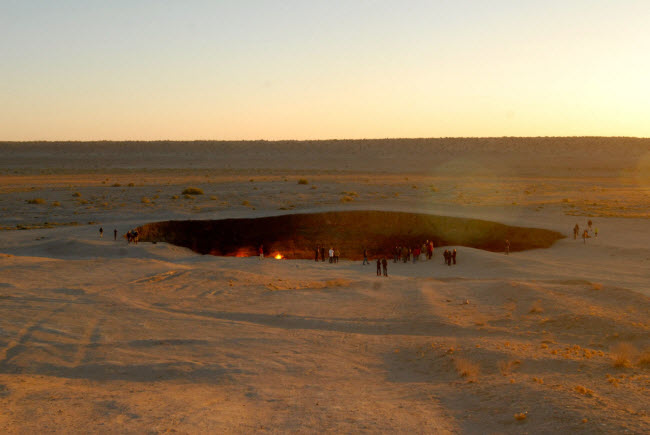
(155, 197)
(521, 416)
(505, 367)
(36, 201)
(56, 204)
(245, 203)
(466, 368)
(174, 196)
(213, 198)
(347, 198)
(583, 390)
(117, 185)
(192, 191)
(131, 184)
(303, 181)
(536, 308)
(314, 187)
(145, 200)
(596, 286)
(76, 195)
(623, 354)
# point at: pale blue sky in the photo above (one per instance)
(322, 69)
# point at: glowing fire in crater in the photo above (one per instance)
(278, 256)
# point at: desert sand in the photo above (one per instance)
(97, 335)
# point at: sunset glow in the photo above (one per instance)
(121, 70)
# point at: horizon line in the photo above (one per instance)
(317, 140)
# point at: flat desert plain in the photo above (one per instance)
(101, 336)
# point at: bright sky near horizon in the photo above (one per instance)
(295, 69)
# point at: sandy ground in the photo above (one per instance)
(100, 336)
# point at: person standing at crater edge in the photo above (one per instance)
(115, 234)
(101, 232)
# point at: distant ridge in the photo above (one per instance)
(555, 156)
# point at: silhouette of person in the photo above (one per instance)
(384, 264)
(115, 234)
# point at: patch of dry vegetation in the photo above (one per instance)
(536, 308)
(36, 201)
(466, 368)
(192, 191)
(583, 390)
(623, 355)
(506, 367)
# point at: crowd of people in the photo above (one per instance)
(131, 236)
(415, 254)
(332, 254)
(586, 232)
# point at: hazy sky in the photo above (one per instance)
(306, 69)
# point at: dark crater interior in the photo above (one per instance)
(296, 235)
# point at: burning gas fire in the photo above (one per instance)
(278, 256)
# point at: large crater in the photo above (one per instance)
(296, 235)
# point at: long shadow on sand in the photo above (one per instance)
(209, 373)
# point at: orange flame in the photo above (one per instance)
(278, 256)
